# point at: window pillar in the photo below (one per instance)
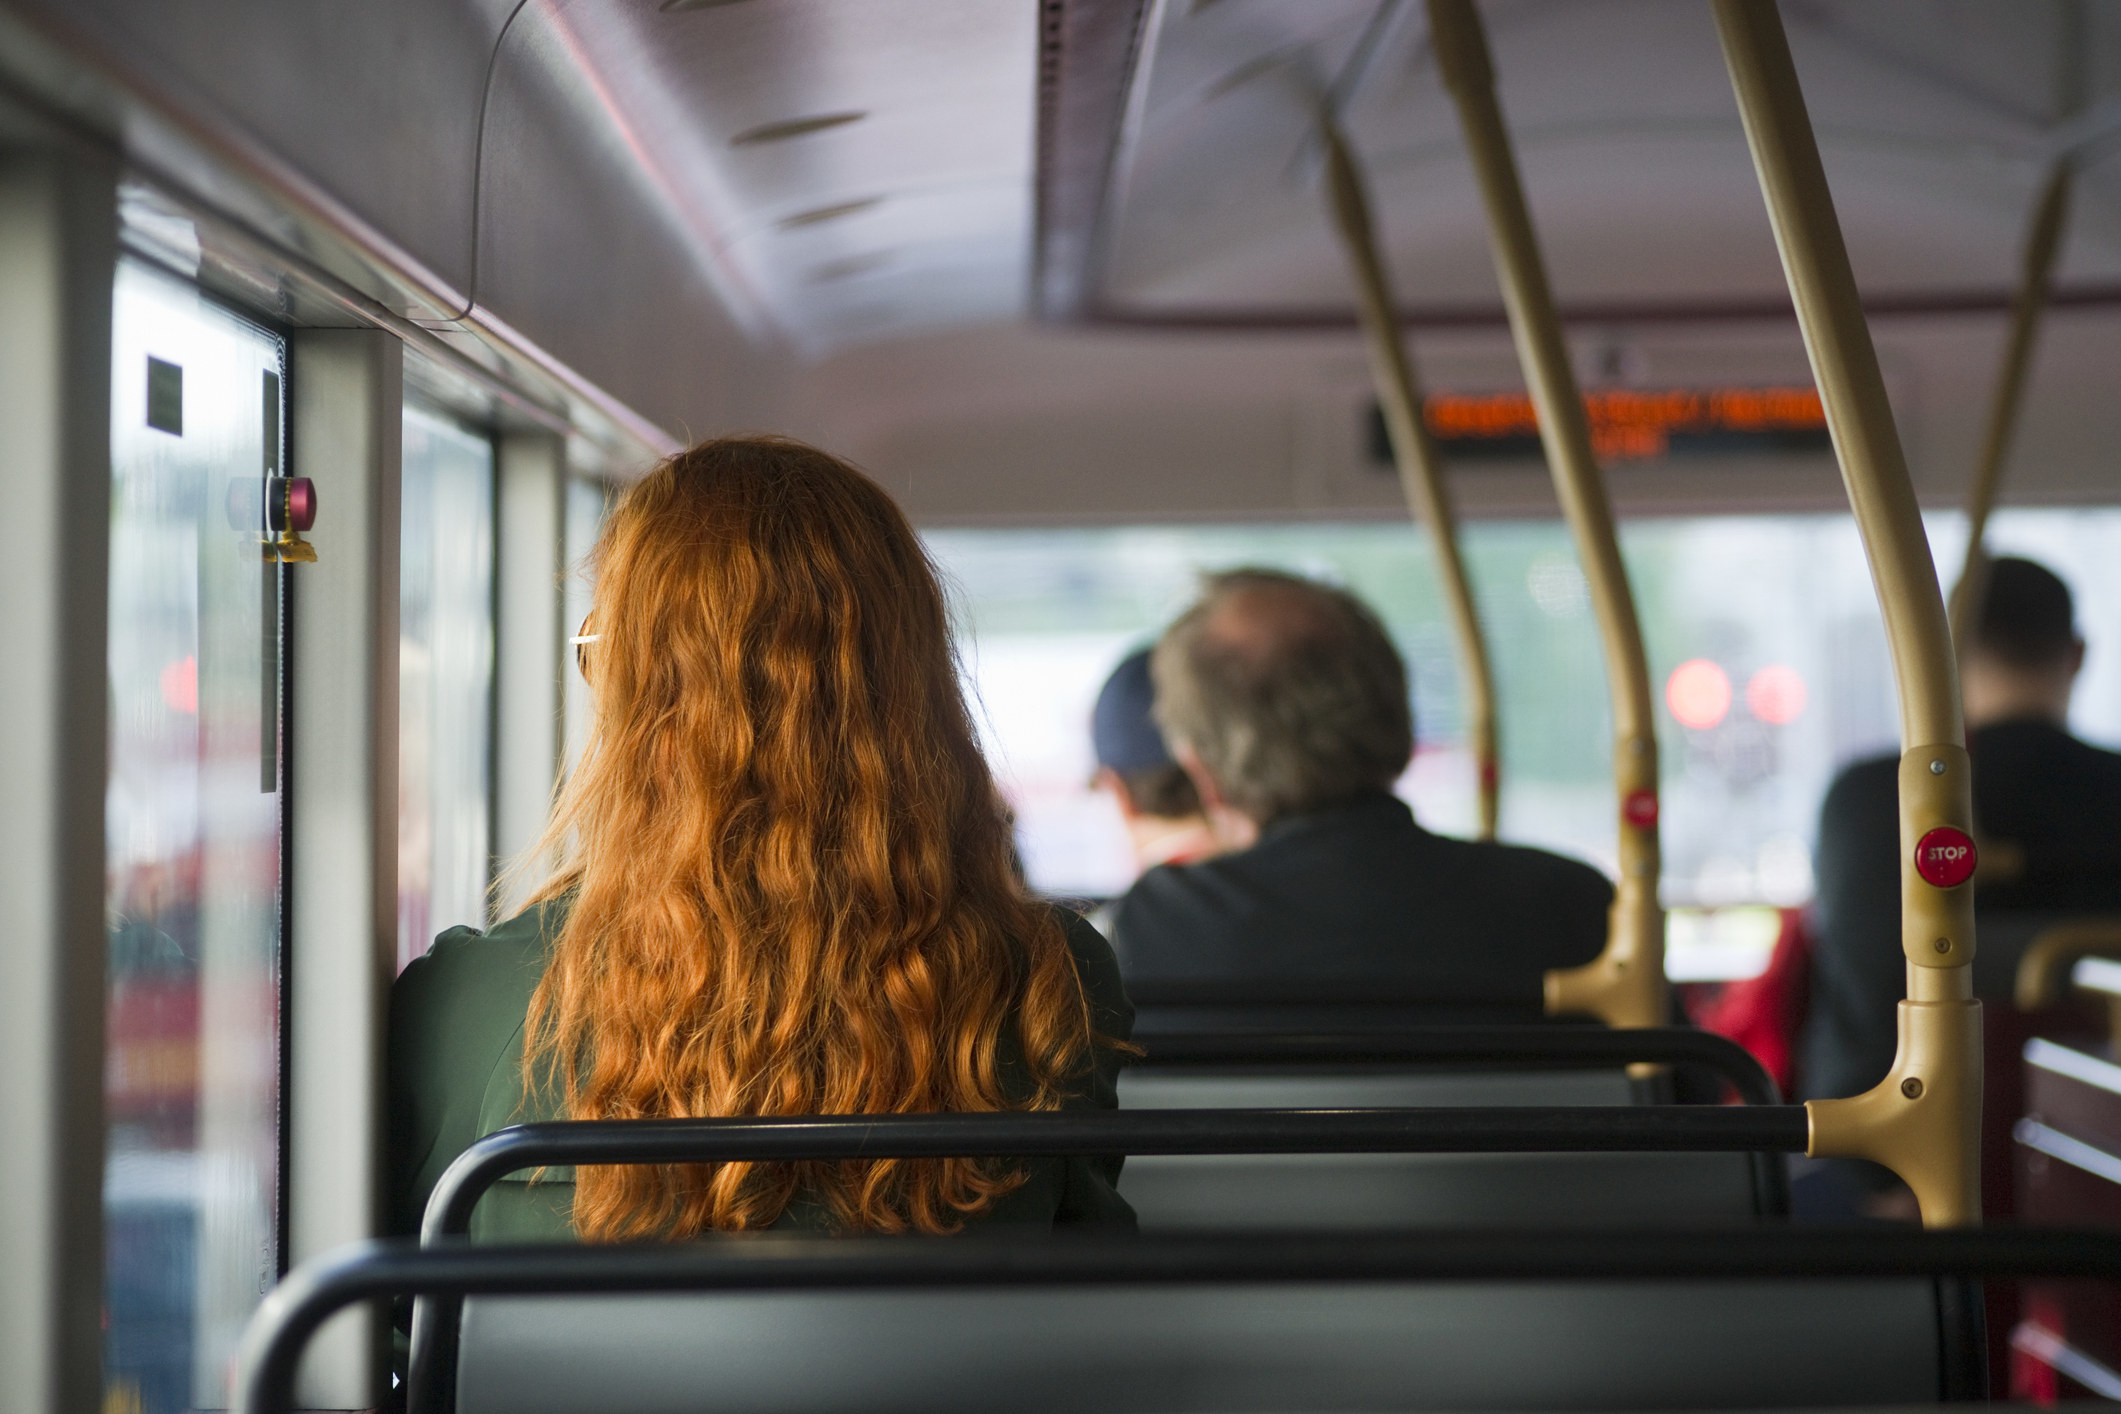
(530, 663)
(347, 390)
(58, 252)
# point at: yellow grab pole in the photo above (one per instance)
(1624, 985)
(1924, 1120)
(2042, 239)
(1414, 452)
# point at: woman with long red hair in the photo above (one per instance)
(785, 887)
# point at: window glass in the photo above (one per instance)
(191, 1069)
(587, 501)
(1767, 657)
(445, 680)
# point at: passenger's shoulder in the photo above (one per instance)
(511, 952)
(1179, 900)
(1550, 870)
(1092, 953)
(1858, 813)
(1076, 926)
(2105, 761)
(1098, 968)
(1865, 781)
(1170, 883)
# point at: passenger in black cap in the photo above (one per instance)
(1155, 796)
(2047, 814)
(1287, 705)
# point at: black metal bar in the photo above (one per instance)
(1537, 1046)
(1525, 1129)
(1517, 1047)
(1458, 1130)
(313, 1292)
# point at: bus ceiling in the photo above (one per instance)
(938, 233)
(1631, 148)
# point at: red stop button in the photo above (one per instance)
(1945, 857)
(1640, 808)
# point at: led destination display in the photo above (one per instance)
(1627, 424)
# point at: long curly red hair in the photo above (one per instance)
(792, 889)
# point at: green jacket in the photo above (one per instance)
(456, 1054)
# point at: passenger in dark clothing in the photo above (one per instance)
(1288, 706)
(1154, 794)
(1356, 903)
(2047, 811)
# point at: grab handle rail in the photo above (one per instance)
(293, 1311)
(785, 1139)
(1523, 1046)
(1414, 454)
(1016, 1135)
(1625, 984)
(1924, 1120)
(2047, 960)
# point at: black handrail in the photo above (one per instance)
(1520, 1046)
(1761, 1129)
(294, 1310)
(1452, 1130)
(1515, 1047)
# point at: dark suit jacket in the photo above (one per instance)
(2035, 787)
(1360, 905)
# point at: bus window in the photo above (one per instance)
(445, 680)
(1765, 646)
(191, 1069)
(587, 501)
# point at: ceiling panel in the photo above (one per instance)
(371, 110)
(1935, 120)
(844, 168)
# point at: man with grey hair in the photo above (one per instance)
(1288, 706)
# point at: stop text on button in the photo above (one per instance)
(1945, 857)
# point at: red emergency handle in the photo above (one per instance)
(291, 502)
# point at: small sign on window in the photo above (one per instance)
(165, 397)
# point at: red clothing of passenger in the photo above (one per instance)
(1765, 1013)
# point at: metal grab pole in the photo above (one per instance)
(1625, 984)
(1414, 451)
(2042, 240)
(1924, 1120)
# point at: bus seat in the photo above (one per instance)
(1419, 1190)
(2006, 935)
(1311, 1346)
(1152, 1087)
(1155, 1017)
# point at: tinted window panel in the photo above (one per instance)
(193, 818)
(445, 681)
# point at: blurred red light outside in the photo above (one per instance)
(1698, 694)
(1776, 694)
(180, 686)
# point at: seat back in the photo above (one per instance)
(1170, 1192)
(1309, 1346)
